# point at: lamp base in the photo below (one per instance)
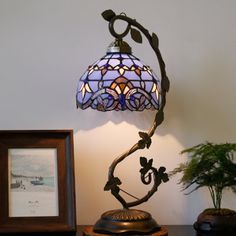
(88, 231)
(126, 222)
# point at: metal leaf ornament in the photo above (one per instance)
(163, 176)
(159, 117)
(112, 185)
(145, 140)
(166, 84)
(108, 15)
(146, 167)
(155, 41)
(136, 35)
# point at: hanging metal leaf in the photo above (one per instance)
(136, 35)
(159, 117)
(166, 84)
(108, 14)
(155, 41)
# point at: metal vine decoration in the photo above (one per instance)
(147, 171)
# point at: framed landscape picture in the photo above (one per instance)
(37, 182)
(33, 182)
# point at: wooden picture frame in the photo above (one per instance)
(37, 192)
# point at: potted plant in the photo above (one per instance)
(212, 166)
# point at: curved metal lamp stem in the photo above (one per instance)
(147, 171)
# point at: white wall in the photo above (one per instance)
(46, 45)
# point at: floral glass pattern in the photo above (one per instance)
(119, 81)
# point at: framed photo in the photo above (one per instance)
(37, 182)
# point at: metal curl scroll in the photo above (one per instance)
(148, 173)
(112, 29)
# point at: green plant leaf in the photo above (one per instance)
(210, 165)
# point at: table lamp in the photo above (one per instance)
(120, 81)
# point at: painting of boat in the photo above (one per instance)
(37, 181)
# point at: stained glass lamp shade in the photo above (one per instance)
(119, 81)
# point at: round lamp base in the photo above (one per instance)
(88, 231)
(126, 222)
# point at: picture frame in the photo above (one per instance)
(37, 190)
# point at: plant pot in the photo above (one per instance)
(216, 222)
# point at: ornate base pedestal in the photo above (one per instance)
(88, 231)
(126, 222)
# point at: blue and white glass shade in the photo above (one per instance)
(119, 81)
